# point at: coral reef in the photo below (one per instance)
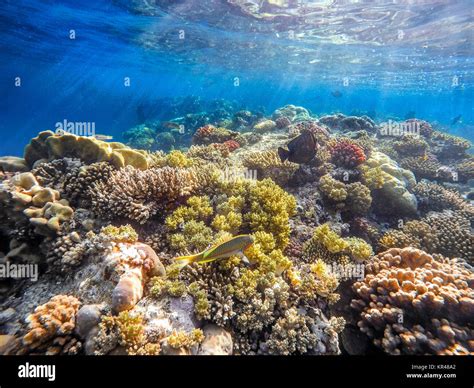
(139, 195)
(103, 223)
(41, 205)
(390, 184)
(413, 303)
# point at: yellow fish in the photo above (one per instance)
(235, 246)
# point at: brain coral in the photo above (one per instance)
(413, 303)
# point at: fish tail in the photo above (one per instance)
(283, 154)
(185, 260)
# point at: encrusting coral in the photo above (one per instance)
(413, 303)
(41, 205)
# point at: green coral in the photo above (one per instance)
(123, 233)
(330, 247)
(181, 339)
(270, 209)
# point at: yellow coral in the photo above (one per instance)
(270, 210)
(123, 233)
(330, 239)
(196, 208)
(177, 159)
(359, 249)
(181, 339)
(332, 188)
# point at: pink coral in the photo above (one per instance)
(231, 145)
(345, 153)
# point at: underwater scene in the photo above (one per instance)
(271, 177)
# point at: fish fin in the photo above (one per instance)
(185, 260)
(283, 154)
(245, 260)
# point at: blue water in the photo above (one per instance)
(386, 58)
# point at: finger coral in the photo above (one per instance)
(51, 326)
(413, 303)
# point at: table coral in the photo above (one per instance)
(413, 303)
(50, 322)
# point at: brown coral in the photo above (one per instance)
(51, 325)
(139, 195)
(413, 303)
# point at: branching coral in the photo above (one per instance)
(333, 189)
(346, 153)
(140, 137)
(51, 326)
(354, 197)
(432, 196)
(413, 303)
(127, 329)
(330, 247)
(447, 146)
(267, 164)
(139, 195)
(209, 134)
(448, 233)
(269, 210)
(410, 145)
